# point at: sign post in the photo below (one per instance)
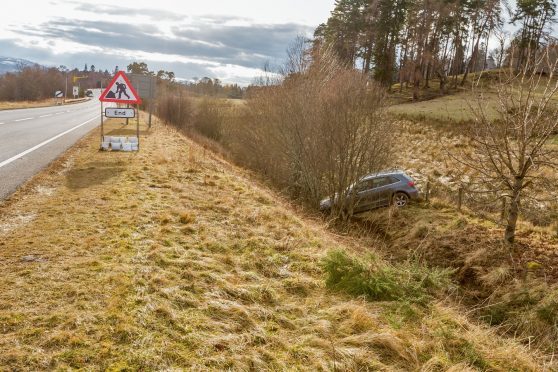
(58, 96)
(120, 90)
(147, 88)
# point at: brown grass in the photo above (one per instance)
(11, 105)
(172, 258)
(430, 153)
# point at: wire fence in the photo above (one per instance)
(488, 205)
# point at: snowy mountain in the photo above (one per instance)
(8, 64)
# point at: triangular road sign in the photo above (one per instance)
(120, 90)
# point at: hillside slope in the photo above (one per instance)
(173, 258)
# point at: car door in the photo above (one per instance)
(374, 193)
(367, 197)
(384, 191)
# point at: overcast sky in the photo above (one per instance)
(231, 40)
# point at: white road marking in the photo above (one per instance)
(2, 123)
(45, 116)
(58, 113)
(24, 119)
(22, 154)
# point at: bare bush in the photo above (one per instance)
(512, 157)
(317, 132)
(209, 117)
(175, 109)
(30, 84)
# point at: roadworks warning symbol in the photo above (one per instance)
(120, 90)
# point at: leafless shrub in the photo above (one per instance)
(208, 118)
(175, 108)
(31, 83)
(317, 132)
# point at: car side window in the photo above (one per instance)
(363, 186)
(393, 180)
(382, 181)
(372, 184)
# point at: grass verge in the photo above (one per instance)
(12, 105)
(172, 258)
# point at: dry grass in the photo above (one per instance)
(11, 105)
(172, 258)
(428, 152)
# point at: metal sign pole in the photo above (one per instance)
(137, 127)
(102, 126)
(150, 100)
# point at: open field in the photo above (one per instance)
(173, 258)
(454, 107)
(451, 109)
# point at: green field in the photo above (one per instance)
(449, 108)
(456, 105)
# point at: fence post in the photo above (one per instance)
(460, 199)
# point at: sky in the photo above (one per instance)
(226, 39)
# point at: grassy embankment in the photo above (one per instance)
(171, 257)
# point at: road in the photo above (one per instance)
(30, 139)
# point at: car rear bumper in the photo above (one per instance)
(414, 194)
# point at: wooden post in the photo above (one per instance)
(179, 107)
(460, 199)
(151, 98)
(150, 110)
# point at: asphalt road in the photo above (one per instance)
(30, 139)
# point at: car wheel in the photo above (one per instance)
(400, 199)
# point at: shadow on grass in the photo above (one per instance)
(92, 174)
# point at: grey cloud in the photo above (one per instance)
(215, 39)
(249, 46)
(155, 14)
(103, 61)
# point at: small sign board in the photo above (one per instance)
(114, 112)
(58, 94)
(75, 91)
(120, 90)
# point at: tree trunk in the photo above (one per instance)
(416, 83)
(513, 213)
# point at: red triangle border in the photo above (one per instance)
(132, 89)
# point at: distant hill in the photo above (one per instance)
(9, 64)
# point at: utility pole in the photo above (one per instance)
(66, 89)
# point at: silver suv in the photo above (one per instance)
(380, 190)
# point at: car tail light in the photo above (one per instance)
(411, 184)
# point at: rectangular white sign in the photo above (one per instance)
(75, 91)
(58, 94)
(113, 112)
